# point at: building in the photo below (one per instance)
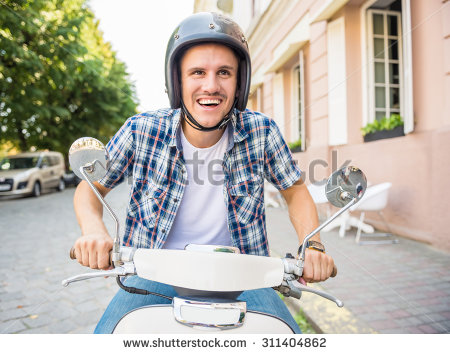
(324, 69)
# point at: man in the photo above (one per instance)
(173, 155)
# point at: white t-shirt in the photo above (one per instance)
(202, 215)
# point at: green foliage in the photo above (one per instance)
(296, 145)
(303, 323)
(301, 320)
(383, 124)
(58, 79)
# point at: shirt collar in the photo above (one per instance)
(237, 131)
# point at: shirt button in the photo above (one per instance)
(163, 231)
(175, 200)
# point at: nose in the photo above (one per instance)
(211, 83)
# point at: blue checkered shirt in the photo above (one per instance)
(148, 148)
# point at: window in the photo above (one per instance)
(45, 162)
(387, 61)
(385, 57)
(337, 83)
(298, 116)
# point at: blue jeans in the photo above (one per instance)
(261, 300)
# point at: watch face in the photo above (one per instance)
(316, 245)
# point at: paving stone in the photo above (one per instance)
(12, 326)
(446, 314)
(399, 314)
(432, 317)
(383, 324)
(400, 330)
(373, 316)
(35, 321)
(62, 327)
(414, 330)
(7, 296)
(428, 329)
(13, 304)
(87, 306)
(12, 314)
(63, 313)
(39, 330)
(83, 329)
(441, 327)
(88, 318)
(409, 321)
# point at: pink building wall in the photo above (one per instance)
(418, 165)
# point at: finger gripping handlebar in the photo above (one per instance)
(73, 256)
(334, 272)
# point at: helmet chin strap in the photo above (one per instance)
(196, 125)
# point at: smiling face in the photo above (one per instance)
(208, 82)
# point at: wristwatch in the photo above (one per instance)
(313, 245)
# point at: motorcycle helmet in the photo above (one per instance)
(205, 27)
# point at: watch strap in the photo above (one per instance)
(315, 245)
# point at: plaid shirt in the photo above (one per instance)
(148, 147)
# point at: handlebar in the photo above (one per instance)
(126, 255)
(164, 265)
(126, 251)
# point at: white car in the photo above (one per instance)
(31, 173)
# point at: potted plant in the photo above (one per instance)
(384, 128)
(295, 146)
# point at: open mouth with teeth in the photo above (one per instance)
(209, 103)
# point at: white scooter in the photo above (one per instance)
(209, 278)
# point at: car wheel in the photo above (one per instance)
(36, 189)
(61, 185)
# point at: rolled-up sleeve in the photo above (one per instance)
(121, 152)
(280, 169)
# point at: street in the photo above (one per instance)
(403, 288)
(36, 236)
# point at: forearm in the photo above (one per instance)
(302, 211)
(318, 266)
(89, 210)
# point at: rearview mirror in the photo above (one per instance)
(344, 185)
(90, 155)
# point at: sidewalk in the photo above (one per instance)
(400, 288)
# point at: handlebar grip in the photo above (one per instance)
(334, 272)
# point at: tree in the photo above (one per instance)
(59, 80)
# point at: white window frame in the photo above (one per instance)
(407, 99)
(386, 61)
(298, 81)
(278, 101)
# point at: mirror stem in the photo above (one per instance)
(85, 170)
(301, 258)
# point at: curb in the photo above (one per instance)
(325, 317)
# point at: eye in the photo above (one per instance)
(197, 72)
(224, 72)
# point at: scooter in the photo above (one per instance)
(211, 278)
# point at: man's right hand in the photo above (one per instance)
(92, 250)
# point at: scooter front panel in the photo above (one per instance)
(159, 319)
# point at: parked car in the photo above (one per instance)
(31, 173)
(71, 179)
